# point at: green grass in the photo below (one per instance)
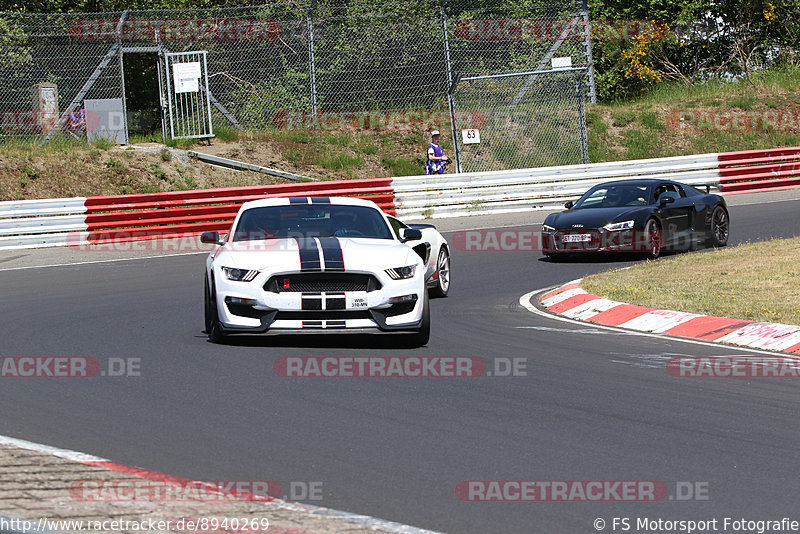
(340, 140)
(623, 118)
(226, 133)
(367, 149)
(642, 144)
(649, 119)
(291, 136)
(158, 172)
(757, 281)
(744, 103)
(772, 81)
(115, 165)
(338, 162)
(404, 167)
(102, 143)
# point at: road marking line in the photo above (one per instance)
(101, 261)
(525, 302)
(95, 461)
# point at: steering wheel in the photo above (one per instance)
(347, 232)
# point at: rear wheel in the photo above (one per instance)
(442, 286)
(654, 239)
(720, 227)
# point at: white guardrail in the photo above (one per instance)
(458, 195)
(41, 223)
(57, 222)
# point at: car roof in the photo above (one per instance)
(640, 181)
(285, 201)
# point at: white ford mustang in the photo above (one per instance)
(320, 264)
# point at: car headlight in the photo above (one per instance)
(239, 275)
(402, 273)
(613, 227)
(547, 228)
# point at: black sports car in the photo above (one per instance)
(641, 216)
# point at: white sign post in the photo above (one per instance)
(186, 77)
(471, 137)
(561, 62)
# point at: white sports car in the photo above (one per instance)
(317, 264)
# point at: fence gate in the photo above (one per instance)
(185, 102)
(520, 120)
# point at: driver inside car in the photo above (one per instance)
(343, 224)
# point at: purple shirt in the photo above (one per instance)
(435, 166)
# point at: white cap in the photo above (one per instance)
(435, 132)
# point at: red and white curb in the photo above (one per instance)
(95, 461)
(572, 302)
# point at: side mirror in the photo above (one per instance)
(663, 201)
(411, 234)
(569, 204)
(210, 237)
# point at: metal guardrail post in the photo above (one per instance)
(451, 87)
(587, 43)
(311, 61)
(582, 119)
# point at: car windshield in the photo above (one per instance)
(613, 196)
(311, 220)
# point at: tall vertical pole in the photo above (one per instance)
(450, 89)
(582, 118)
(124, 100)
(587, 43)
(312, 68)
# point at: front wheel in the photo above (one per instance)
(213, 326)
(423, 335)
(442, 287)
(720, 227)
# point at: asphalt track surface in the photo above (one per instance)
(595, 405)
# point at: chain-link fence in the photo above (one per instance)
(522, 120)
(290, 59)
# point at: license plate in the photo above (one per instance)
(357, 302)
(577, 238)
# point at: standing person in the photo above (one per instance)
(437, 160)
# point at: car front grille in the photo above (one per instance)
(323, 315)
(321, 283)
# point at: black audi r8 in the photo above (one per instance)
(642, 216)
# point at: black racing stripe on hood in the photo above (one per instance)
(298, 200)
(309, 254)
(332, 252)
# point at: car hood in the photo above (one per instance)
(591, 217)
(284, 255)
